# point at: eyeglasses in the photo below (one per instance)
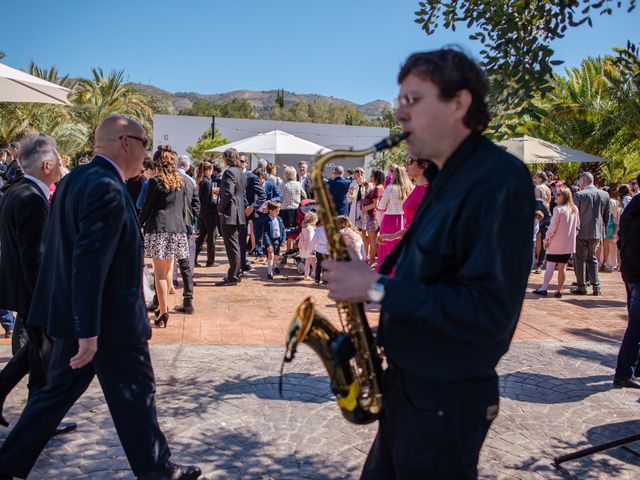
(144, 141)
(408, 100)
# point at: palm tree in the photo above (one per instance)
(589, 110)
(105, 95)
(51, 75)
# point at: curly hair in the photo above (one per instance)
(452, 71)
(164, 161)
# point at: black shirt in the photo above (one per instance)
(453, 302)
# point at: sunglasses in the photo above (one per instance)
(144, 141)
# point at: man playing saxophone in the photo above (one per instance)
(451, 306)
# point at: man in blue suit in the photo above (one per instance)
(338, 188)
(89, 297)
(255, 197)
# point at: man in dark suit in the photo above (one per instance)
(13, 173)
(89, 296)
(23, 216)
(208, 215)
(185, 265)
(450, 309)
(338, 188)
(231, 208)
(255, 197)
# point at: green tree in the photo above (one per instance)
(235, 108)
(280, 98)
(51, 75)
(205, 142)
(107, 94)
(588, 110)
(516, 37)
(320, 112)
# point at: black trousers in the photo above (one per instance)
(209, 230)
(431, 429)
(126, 377)
(243, 244)
(33, 359)
(320, 257)
(231, 237)
(20, 336)
(187, 279)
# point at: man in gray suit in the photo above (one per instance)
(593, 207)
(232, 216)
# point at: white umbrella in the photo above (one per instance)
(533, 150)
(275, 142)
(17, 86)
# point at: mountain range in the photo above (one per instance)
(262, 102)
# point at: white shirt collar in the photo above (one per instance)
(116, 166)
(41, 185)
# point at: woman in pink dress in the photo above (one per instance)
(391, 203)
(415, 170)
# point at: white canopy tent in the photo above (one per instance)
(17, 86)
(534, 150)
(275, 142)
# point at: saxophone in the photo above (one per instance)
(350, 355)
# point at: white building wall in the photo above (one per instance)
(181, 131)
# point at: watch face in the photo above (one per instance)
(376, 293)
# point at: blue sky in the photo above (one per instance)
(349, 49)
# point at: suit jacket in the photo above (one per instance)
(208, 204)
(12, 175)
(164, 210)
(90, 282)
(134, 187)
(268, 238)
(272, 192)
(233, 188)
(593, 207)
(23, 216)
(193, 201)
(255, 193)
(338, 188)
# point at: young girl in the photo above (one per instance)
(321, 249)
(305, 243)
(351, 236)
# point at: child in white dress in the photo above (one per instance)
(305, 243)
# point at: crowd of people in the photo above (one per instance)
(577, 225)
(448, 263)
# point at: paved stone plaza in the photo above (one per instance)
(218, 397)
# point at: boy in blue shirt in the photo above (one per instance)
(274, 235)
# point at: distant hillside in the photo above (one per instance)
(262, 102)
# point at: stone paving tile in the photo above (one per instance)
(220, 408)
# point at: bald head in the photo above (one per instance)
(122, 140)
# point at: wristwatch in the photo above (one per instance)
(375, 293)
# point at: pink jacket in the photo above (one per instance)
(563, 230)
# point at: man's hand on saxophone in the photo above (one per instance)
(349, 281)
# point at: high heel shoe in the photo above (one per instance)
(162, 320)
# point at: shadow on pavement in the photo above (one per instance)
(546, 389)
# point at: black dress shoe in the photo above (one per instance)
(173, 471)
(226, 282)
(246, 268)
(542, 293)
(579, 291)
(597, 292)
(630, 383)
(65, 428)
(186, 309)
